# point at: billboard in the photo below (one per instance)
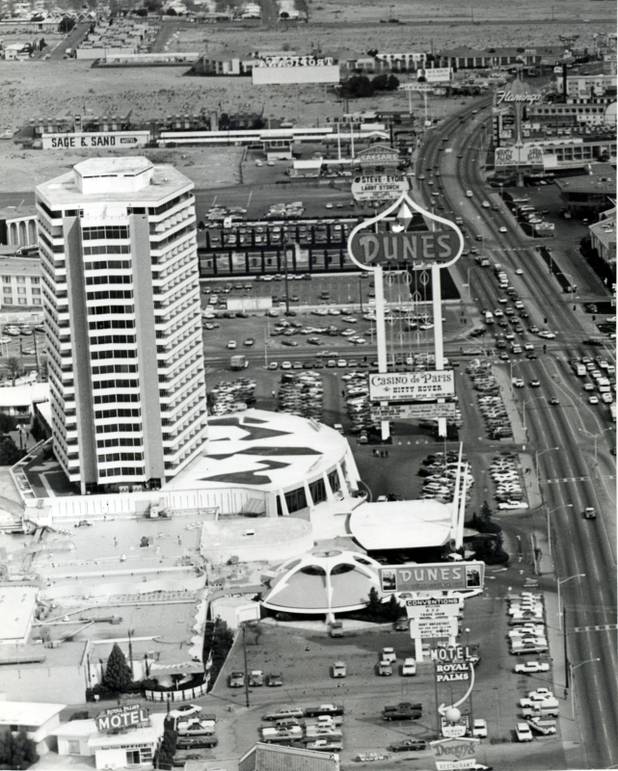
(99, 140)
(519, 155)
(281, 74)
(377, 155)
(410, 386)
(432, 577)
(378, 187)
(120, 718)
(508, 97)
(436, 74)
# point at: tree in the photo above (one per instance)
(66, 25)
(7, 423)
(9, 452)
(14, 367)
(6, 747)
(118, 676)
(24, 751)
(374, 606)
(167, 749)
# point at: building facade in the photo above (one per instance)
(122, 314)
(21, 282)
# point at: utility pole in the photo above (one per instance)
(566, 652)
(244, 655)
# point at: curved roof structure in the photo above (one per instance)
(323, 581)
(415, 524)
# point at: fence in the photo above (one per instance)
(173, 696)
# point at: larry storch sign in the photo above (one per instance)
(432, 576)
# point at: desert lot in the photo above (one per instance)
(46, 89)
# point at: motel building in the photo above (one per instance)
(120, 737)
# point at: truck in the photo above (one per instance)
(238, 361)
(579, 368)
(405, 710)
(488, 317)
(335, 629)
(503, 279)
(324, 709)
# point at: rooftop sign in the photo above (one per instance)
(378, 187)
(396, 246)
(432, 576)
(122, 718)
(97, 139)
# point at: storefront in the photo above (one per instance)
(122, 737)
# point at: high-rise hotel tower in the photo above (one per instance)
(121, 300)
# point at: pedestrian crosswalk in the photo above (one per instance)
(596, 628)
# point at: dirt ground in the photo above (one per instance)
(47, 89)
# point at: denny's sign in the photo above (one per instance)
(385, 241)
(119, 719)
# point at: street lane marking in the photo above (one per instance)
(595, 628)
(560, 480)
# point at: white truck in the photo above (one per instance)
(579, 368)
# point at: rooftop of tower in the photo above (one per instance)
(128, 178)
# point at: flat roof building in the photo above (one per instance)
(38, 719)
(122, 312)
(17, 605)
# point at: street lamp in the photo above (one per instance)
(547, 514)
(573, 667)
(538, 454)
(559, 583)
(595, 438)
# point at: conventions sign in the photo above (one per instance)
(432, 576)
(410, 386)
(433, 617)
(396, 246)
(99, 139)
(119, 719)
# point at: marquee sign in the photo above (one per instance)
(119, 719)
(378, 187)
(417, 249)
(378, 155)
(420, 411)
(518, 155)
(408, 386)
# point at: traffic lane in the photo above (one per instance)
(580, 596)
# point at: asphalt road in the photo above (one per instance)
(570, 478)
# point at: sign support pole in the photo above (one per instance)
(378, 277)
(436, 303)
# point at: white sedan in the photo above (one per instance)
(503, 229)
(529, 667)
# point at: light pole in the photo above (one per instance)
(547, 514)
(559, 583)
(595, 438)
(538, 454)
(573, 667)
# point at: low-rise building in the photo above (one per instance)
(269, 757)
(20, 278)
(39, 720)
(603, 237)
(18, 226)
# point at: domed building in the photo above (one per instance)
(321, 582)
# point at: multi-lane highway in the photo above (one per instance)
(572, 438)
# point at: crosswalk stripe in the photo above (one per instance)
(595, 628)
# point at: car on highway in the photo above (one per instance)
(339, 669)
(535, 383)
(590, 512)
(231, 344)
(554, 400)
(503, 229)
(249, 341)
(593, 399)
(531, 667)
